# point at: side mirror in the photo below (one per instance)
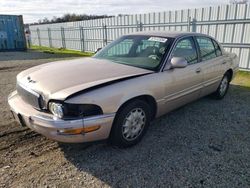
(178, 62)
(97, 50)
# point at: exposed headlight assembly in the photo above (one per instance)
(71, 111)
(56, 109)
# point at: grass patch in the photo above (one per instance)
(60, 51)
(242, 78)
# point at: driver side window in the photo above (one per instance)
(145, 44)
(147, 48)
(186, 49)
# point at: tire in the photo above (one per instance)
(223, 87)
(130, 124)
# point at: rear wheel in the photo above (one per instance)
(223, 87)
(130, 124)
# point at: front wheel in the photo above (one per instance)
(223, 87)
(130, 124)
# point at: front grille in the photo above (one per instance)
(29, 96)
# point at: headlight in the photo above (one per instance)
(56, 109)
(71, 111)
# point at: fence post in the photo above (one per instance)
(189, 23)
(38, 36)
(63, 38)
(82, 39)
(139, 26)
(194, 25)
(105, 35)
(49, 35)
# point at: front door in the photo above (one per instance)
(186, 83)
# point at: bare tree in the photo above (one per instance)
(69, 18)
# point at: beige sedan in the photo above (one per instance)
(115, 94)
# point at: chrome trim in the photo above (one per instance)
(61, 123)
(189, 90)
(41, 99)
(212, 81)
(28, 89)
(182, 93)
(47, 119)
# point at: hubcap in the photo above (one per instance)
(223, 86)
(133, 124)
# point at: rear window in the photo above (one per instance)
(217, 48)
(207, 49)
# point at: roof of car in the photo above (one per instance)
(171, 34)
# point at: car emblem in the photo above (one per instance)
(30, 80)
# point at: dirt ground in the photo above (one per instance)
(203, 144)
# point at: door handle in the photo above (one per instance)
(198, 70)
(224, 62)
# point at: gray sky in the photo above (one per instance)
(33, 10)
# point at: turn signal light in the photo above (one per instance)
(80, 130)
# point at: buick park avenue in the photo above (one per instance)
(116, 93)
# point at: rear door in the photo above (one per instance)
(186, 82)
(212, 64)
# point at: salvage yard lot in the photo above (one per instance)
(205, 143)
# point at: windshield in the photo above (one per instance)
(138, 51)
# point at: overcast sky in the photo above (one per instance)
(33, 10)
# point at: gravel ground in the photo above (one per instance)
(203, 144)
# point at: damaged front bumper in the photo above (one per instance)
(70, 131)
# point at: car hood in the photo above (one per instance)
(58, 80)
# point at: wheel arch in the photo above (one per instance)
(149, 99)
(230, 73)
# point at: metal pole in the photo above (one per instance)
(194, 25)
(50, 40)
(141, 26)
(38, 36)
(189, 23)
(63, 38)
(105, 35)
(82, 39)
(137, 26)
